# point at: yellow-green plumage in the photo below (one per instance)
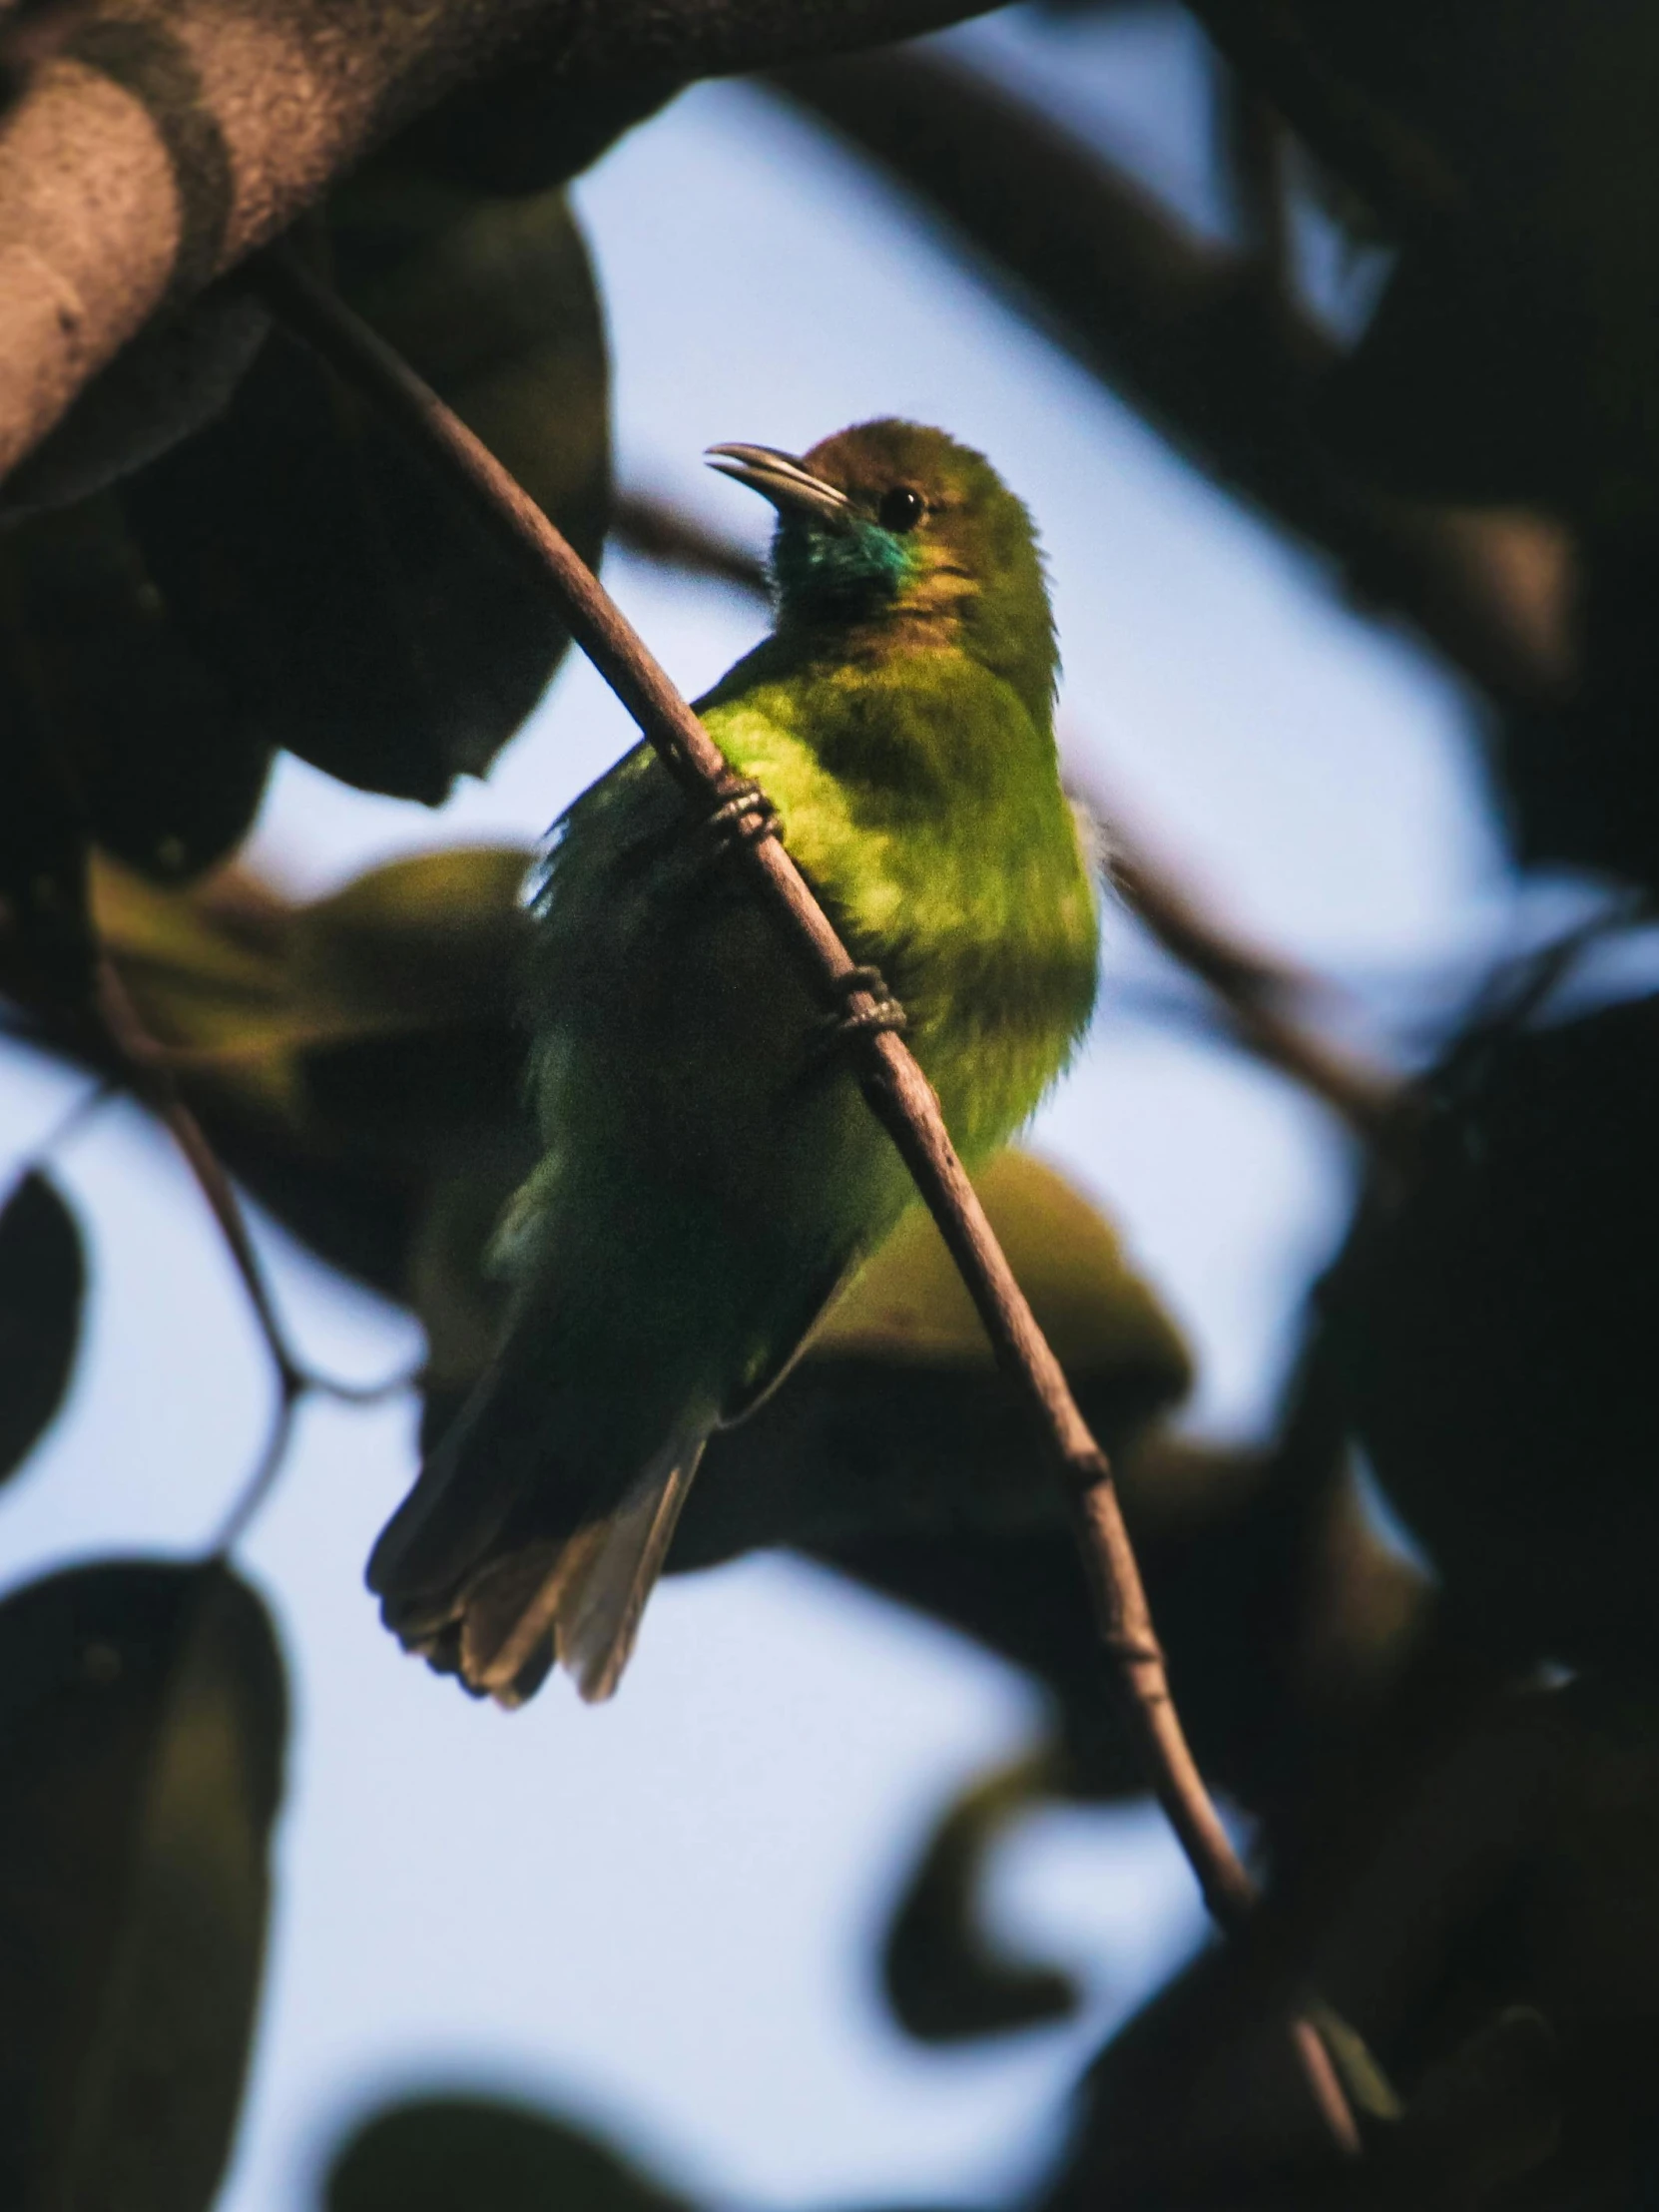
(709, 1172)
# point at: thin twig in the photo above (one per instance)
(1257, 993)
(67, 1127)
(895, 1086)
(260, 1485)
(147, 1071)
(148, 1067)
(659, 531)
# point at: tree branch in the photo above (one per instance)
(898, 1090)
(147, 148)
(895, 1086)
(1259, 994)
(658, 531)
(1194, 338)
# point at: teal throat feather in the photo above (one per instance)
(708, 1174)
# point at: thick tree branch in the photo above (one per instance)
(1198, 339)
(151, 144)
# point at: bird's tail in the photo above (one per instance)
(467, 1579)
(578, 1603)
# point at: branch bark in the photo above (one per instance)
(899, 1092)
(1198, 340)
(895, 1088)
(149, 145)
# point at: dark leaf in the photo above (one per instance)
(1580, 775)
(473, 2154)
(1509, 143)
(168, 381)
(142, 1716)
(1487, 2115)
(347, 1056)
(42, 1283)
(162, 770)
(357, 607)
(1242, 1556)
(525, 128)
(947, 1980)
(1495, 1318)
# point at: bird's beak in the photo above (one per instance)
(781, 478)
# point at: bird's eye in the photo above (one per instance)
(900, 509)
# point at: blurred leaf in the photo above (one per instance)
(1580, 774)
(438, 936)
(1509, 143)
(1488, 2115)
(423, 958)
(526, 127)
(909, 1303)
(897, 1417)
(475, 2154)
(141, 1715)
(1493, 1312)
(167, 383)
(356, 606)
(1288, 1624)
(42, 1280)
(947, 1980)
(151, 759)
(350, 1055)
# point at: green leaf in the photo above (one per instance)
(357, 607)
(422, 963)
(909, 1303)
(349, 1056)
(946, 1978)
(474, 2154)
(897, 1419)
(142, 1716)
(43, 1279)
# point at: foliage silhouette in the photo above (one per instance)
(221, 552)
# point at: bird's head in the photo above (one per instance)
(893, 529)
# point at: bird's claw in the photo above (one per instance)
(852, 1025)
(744, 816)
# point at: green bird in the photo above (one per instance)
(711, 1171)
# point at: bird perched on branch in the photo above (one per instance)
(711, 1171)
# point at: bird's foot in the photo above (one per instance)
(853, 1023)
(744, 816)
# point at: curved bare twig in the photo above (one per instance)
(894, 1087)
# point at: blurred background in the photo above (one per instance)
(665, 1916)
